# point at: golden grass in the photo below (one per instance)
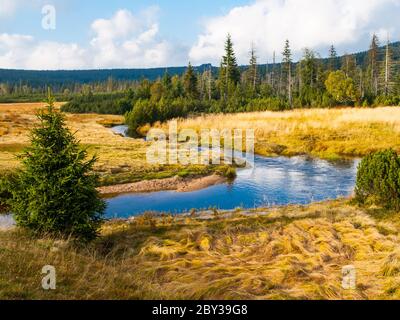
(119, 159)
(291, 252)
(327, 133)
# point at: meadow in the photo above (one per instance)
(120, 160)
(324, 133)
(294, 252)
(291, 252)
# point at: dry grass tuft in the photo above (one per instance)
(293, 252)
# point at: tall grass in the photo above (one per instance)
(120, 160)
(327, 133)
(281, 253)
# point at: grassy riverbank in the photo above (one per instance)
(324, 133)
(120, 160)
(292, 252)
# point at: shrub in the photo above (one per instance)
(113, 103)
(55, 191)
(230, 173)
(341, 87)
(143, 112)
(378, 180)
(270, 104)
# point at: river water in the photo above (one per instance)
(269, 182)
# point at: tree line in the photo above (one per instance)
(368, 79)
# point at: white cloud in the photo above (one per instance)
(8, 7)
(14, 49)
(54, 55)
(124, 40)
(127, 40)
(307, 23)
(132, 40)
(23, 52)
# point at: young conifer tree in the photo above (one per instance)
(190, 83)
(55, 191)
(229, 70)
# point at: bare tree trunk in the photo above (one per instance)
(361, 84)
(387, 69)
(273, 72)
(209, 83)
(255, 78)
(290, 85)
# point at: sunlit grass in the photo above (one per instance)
(120, 160)
(292, 252)
(326, 133)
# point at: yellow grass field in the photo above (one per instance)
(291, 252)
(120, 160)
(325, 133)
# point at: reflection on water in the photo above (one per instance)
(272, 181)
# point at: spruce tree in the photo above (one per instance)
(167, 84)
(55, 191)
(190, 83)
(332, 58)
(287, 64)
(373, 64)
(253, 68)
(388, 70)
(229, 72)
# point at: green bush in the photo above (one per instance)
(112, 103)
(378, 180)
(55, 191)
(270, 104)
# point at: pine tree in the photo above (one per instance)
(332, 58)
(253, 68)
(167, 83)
(55, 192)
(273, 72)
(190, 83)
(229, 73)
(373, 64)
(209, 83)
(287, 64)
(309, 68)
(388, 70)
(349, 66)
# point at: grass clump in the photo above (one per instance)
(293, 252)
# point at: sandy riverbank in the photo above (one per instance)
(176, 183)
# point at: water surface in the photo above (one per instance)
(272, 181)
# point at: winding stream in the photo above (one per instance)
(272, 181)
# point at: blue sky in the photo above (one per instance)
(179, 19)
(132, 33)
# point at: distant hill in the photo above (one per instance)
(61, 78)
(64, 77)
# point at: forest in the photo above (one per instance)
(370, 78)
